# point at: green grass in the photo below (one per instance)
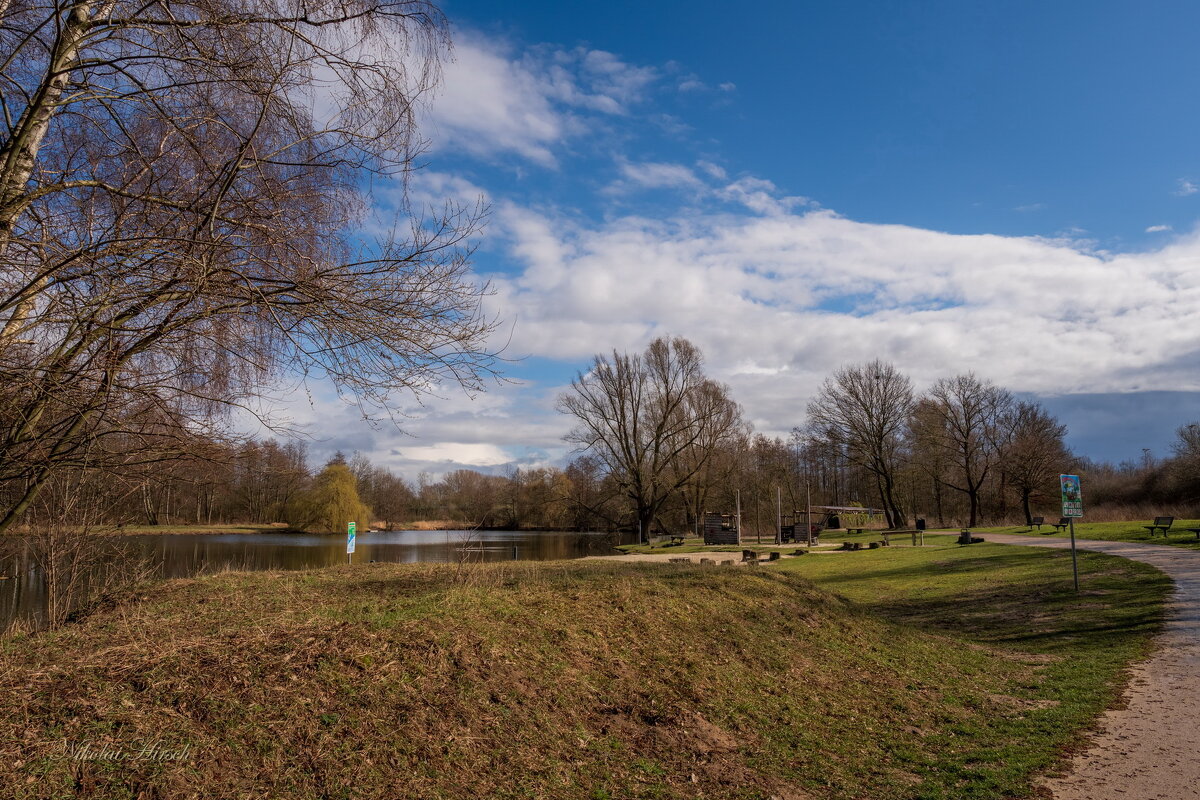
(1019, 601)
(1132, 531)
(940, 672)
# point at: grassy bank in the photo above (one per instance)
(201, 529)
(1128, 531)
(578, 680)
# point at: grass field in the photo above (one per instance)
(1114, 532)
(939, 672)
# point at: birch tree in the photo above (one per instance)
(182, 198)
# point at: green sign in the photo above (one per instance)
(1072, 496)
(350, 536)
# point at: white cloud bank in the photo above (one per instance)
(778, 301)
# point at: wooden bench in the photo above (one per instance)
(916, 532)
(1037, 522)
(1161, 524)
(676, 541)
(1062, 524)
(1193, 530)
(855, 530)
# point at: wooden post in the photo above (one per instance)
(738, 496)
(808, 512)
(778, 516)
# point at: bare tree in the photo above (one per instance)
(968, 418)
(181, 206)
(1034, 452)
(653, 420)
(863, 411)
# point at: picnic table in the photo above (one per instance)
(916, 533)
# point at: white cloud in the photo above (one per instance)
(760, 196)
(1158, 228)
(656, 175)
(727, 86)
(495, 101)
(1185, 187)
(467, 453)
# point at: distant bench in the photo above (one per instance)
(1163, 524)
(1062, 524)
(1037, 522)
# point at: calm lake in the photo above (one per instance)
(23, 593)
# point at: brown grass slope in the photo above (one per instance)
(556, 680)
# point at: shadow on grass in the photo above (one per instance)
(1043, 616)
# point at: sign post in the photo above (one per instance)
(350, 537)
(1072, 507)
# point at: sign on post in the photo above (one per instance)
(1072, 508)
(350, 537)
(1072, 496)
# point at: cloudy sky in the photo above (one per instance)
(1006, 188)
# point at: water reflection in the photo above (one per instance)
(23, 593)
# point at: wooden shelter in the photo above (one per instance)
(721, 529)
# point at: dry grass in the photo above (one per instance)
(435, 525)
(553, 680)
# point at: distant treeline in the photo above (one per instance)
(964, 452)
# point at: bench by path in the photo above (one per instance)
(1146, 749)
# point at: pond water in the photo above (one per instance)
(23, 591)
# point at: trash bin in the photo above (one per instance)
(920, 524)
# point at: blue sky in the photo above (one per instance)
(1008, 188)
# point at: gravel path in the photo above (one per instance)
(1145, 751)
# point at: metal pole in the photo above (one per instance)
(1074, 558)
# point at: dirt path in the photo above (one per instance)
(1146, 751)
